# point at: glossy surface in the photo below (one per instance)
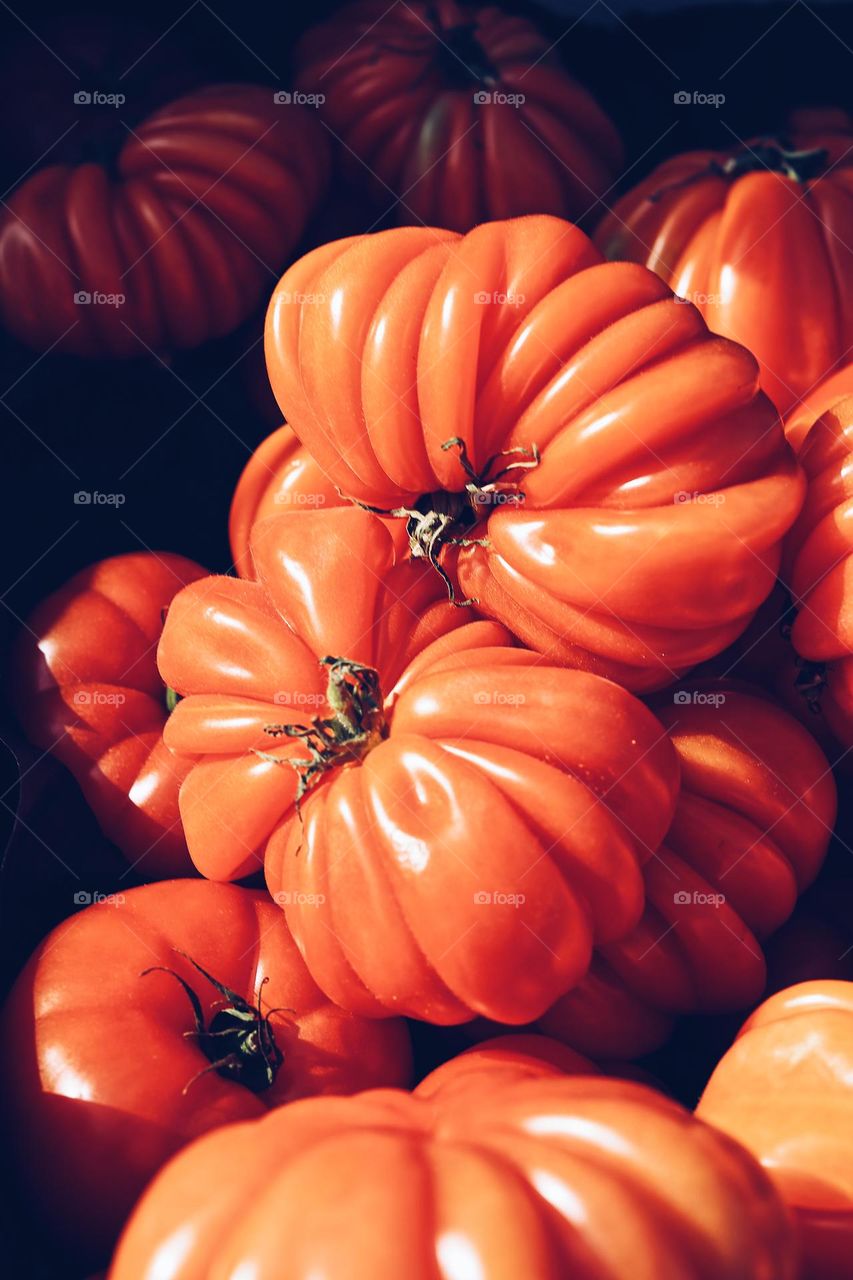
(457, 114)
(186, 230)
(785, 1090)
(492, 830)
(813, 405)
(819, 566)
(751, 828)
(647, 535)
(762, 254)
(85, 687)
(484, 1174)
(97, 1090)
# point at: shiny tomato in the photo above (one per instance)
(174, 244)
(622, 484)
(84, 685)
(459, 114)
(755, 237)
(151, 1018)
(751, 828)
(784, 1091)
(490, 1172)
(813, 405)
(448, 821)
(819, 570)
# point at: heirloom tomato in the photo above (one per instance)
(614, 484)
(174, 242)
(494, 1171)
(85, 687)
(459, 113)
(756, 238)
(449, 822)
(152, 1017)
(784, 1090)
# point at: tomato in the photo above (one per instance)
(819, 555)
(755, 237)
(783, 1090)
(112, 1071)
(175, 243)
(491, 1172)
(448, 821)
(459, 114)
(621, 484)
(816, 402)
(84, 685)
(752, 824)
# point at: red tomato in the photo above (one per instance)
(458, 114)
(819, 556)
(641, 526)
(755, 238)
(85, 686)
(784, 1091)
(470, 818)
(751, 828)
(814, 404)
(113, 1071)
(486, 1173)
(209, 196)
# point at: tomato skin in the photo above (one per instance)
(783, 1089)
(464, 863)
(648, 532)
(84, 686)
(455, 153)
(212, 191)
(816, 403)
(505, 1169)
(757, 251)
(94, 1091)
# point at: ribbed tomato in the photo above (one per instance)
(623, 483)
(155, 1016)
(819, 570)
(813, 405)
(485, 1173)
(174, 246)
(756, 238)
(751, 828)
(84, 685)
(448, 821)
(784, 1091)
(458, 113)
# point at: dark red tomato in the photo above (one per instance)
(85, 687)
(449, 821)
(756, 238)
(174, 245)
(457, 113)
(617, 483)
(125, 1049)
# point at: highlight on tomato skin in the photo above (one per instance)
(504, 1168)
(783, 1090)
(151, 1017)
(449, 821)
(457, 114)
(83, 683)
(560, 435)
(717, 227)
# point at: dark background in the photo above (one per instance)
(173, 434)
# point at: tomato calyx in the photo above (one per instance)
(775, 156)
(356, 726)
(239, 1042)
(444, 517)
(172, 698)
(460, 55)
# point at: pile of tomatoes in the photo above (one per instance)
(517, 727)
